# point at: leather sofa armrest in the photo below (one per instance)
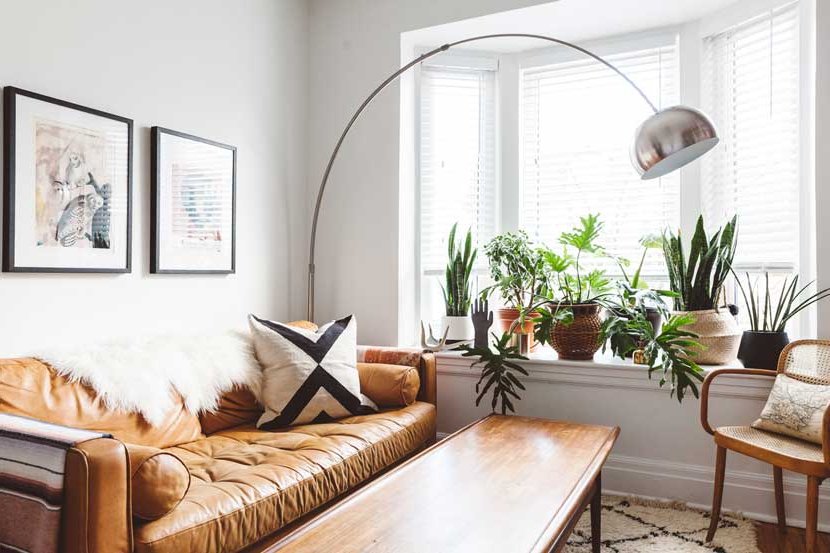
(414, 357)
(429, 379)
(96, 514)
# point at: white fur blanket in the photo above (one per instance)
(143, 376)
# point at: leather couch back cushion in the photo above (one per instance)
(159, 481)
(389, 385)
(30, 388)
(237, 407)
(386, 385)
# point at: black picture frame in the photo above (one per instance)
(10, 95)
(155, 202)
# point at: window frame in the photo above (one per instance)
(689, 38)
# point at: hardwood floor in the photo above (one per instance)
(770, 540)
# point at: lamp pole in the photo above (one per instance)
(391, 78)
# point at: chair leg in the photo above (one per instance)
(720, 470)
(778, 478)
(812, 514)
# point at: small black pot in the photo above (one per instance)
(760, 350)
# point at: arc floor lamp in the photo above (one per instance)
(669, 139)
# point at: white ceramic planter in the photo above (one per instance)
(461, 328)
(719, 334)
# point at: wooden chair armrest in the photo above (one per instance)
(704, 393)
(825, 436)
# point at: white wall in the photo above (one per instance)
(353, 46)
(231, 71)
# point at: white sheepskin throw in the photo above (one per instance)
(142, 376)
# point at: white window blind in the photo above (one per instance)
(750, 88)
(457, 168)
(578, 122)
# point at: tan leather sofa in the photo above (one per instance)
(245, 485)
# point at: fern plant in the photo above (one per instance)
(699, 280)
(456, 286)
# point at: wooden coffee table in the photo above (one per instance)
(502, 484)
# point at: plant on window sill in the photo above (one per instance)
(670, 350)
(762, 344)
(498, 372)
(698, 283)
(570, 320)
(517, 269)
(456, 287)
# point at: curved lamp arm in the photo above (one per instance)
(706, 132)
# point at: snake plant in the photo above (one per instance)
(768, 313)
(699, 280)
(456, 288)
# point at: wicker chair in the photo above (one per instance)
(805, 360)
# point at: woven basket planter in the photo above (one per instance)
(580, 340)
(719, 334)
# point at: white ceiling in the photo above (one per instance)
(574, 20)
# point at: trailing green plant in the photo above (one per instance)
(669, 352)
(517, 269)
(768, 313)
(498, 372)
(699, 280)
(568, 282)
(621, 328)
(456, 287)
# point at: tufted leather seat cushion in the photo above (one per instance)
(248, 483)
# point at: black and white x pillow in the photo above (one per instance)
(307, 376)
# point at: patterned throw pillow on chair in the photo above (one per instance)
(308, 376)
(795, 408)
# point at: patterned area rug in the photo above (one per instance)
(631, 525)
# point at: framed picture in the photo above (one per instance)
(68, 186)
(193, 204)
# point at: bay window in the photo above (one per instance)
(569, 121)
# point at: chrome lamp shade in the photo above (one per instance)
(670, 139)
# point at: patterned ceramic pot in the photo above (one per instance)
(719, 334)
(580, 340)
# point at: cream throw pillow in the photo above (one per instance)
(795, 408)
(307, 376)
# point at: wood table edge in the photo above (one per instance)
(548, 540)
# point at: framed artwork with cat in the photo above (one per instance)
(67, 194)
(193, 204)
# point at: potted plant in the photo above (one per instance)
(571, 322)
(697, 283)
(669, 351)
(516, 268)
(635, 285)
(762, 344)
(457, 323)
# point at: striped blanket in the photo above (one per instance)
(32, 459)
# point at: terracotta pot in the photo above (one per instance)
(524, 332)
(580, 340)
(719, 334)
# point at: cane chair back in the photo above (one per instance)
(807, 361)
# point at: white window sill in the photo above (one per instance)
(606, 371)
